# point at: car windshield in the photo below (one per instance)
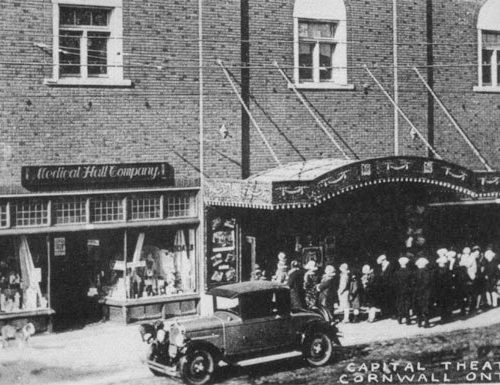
(227, 304)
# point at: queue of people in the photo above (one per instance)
(419, 285)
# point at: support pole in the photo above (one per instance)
(311, 112)
(396, 81)
(452, 120)
(200, 232)
(221, 64)
(402, 113)
(125, 277)
(49, 273)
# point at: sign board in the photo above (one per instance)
(37, 274)
(59, 247)
(93, 242)
(96, 175)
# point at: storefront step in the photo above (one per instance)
(41, 319)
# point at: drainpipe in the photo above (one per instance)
(245, 88)
(430, 75)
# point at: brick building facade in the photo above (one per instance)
(116, 82)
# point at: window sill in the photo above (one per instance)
(487, 89)
(89, 82)
(323, 86)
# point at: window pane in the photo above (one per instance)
(69, 53)
(316, 30)
(325, 61)
(491, 39)
(487, 56)
(31, 213)
(70, 211)
(83, 16)
(100, 17)
(3, 215)
(67, 16)
(145, 207)
(497, 53)
(97, 53)
(306, 61)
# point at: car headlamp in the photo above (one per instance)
(160, 335)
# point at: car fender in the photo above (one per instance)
(205, 345)
(319, 325)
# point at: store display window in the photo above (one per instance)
(160, 262)
(23, 267)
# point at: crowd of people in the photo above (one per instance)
(420, 285)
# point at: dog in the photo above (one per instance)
(21, 335)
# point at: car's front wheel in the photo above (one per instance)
(197, 367)
(318, 349)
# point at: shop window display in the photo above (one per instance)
(20, 279)
(162, 264)
(222, 265)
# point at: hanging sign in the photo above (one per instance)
(59, 247)
(96, 175)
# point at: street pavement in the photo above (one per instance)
(109, 353)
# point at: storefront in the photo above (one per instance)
(338, 211)
(118, 242)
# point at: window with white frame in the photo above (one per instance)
(106, 209)
(4, 221)
(488, 26)
(31, 213)
(145, 207)
(180, 205)
(320, 44)
(70, 211)
(88, 42)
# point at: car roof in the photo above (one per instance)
(236, 289)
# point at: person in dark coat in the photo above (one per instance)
(443, 288)
(491, 277)
(327, 288)
(404, 290)
(368, 295)
(355, 289)
(457, 273)
(296, 284)
(385, 287)
(423, 291)
(311, 279)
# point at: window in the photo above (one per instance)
(106, 209)
(320, 58)
(181, 205)
(70, 211)
(4, 222)
(489, 47)
(87, 43)
(145, 207)
(31, 213)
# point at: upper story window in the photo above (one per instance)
(87, 43)
(488, 25)
(320, 44)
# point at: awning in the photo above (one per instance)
(310, 183)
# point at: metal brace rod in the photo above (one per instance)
(453, 121)
(403, 114)
(221, 64)
(309, 109)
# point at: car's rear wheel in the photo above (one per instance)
(197, 367)
(318, 349)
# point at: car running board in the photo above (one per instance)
(167, 370)
(273, 357)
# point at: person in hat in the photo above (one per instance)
(355, 289)
(443, 285)
(327, 288)
(296, 284)
(311, 279)
(343, 291)
(281, 274)
(385, 286)
(491, 277)
(423, 291)
(469, 274)
(368, 298)
(457, 279)
(404, 290)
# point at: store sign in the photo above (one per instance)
(93, 242)
(59, 247)
(96, 175)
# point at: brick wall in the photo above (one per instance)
(157, 118)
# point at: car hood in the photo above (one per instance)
(199, 323)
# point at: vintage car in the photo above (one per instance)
(250, 320)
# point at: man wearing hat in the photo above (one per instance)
(385, 286)
(404, 290)
(311, 279)
(343, 291)
(443, 286)
(296, 284)
(423, 291)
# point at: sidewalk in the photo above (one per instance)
(109, 353)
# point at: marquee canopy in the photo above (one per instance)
(309, 183)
